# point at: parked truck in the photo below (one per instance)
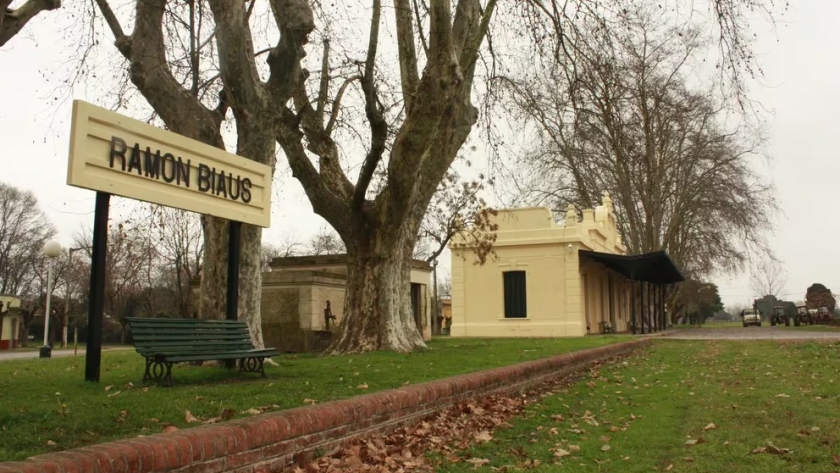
(780, 316)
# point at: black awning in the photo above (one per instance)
(655, 267)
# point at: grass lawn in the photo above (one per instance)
(45, 405)
(685, 406)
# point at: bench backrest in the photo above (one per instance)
(185, 336)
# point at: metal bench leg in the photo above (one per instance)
(148, 375)
(252, 365)
(161, 371)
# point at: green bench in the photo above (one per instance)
(164, 342)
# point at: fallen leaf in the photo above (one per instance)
(573, 448)
(227, 413)
(605, 448)
(189, 418)
(253, 411)
(362, 386)
(309, 401)
(108, 388)
(782, 395)
(170, 429)
(669, 467)
(560, 453)
(51, 443)
(604, 438)
(478, 461)
(710, 427)
(483, 436)
(815, 429)
(114, 394)
(691, 442)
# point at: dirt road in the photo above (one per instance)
(754, 333)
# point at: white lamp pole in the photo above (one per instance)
(52, 250)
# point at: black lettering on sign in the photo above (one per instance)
(134, 161)
(203, 178)
(170, 160)
(221, 188)
(118, 148)
(246, 190)
(183, 172)
(152, 164)
(237, 184)
(155, 165)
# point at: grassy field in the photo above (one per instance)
(685, 406)
(45, 405)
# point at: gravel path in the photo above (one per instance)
(753, 333)
(59, 352)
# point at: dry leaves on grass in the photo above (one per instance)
(448, 433)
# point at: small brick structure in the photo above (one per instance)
(273, 441)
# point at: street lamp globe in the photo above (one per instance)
(52, 249)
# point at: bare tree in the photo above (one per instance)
(127, 265)
(179, 246)
(403, 121)
(12, 20)
(325, 242)
(457, 208)
(24, 229)
(289, 245)
(768, 277)
(621, 118)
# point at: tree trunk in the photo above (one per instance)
(214, 270)
(250, 282)
(377, 309)
(214, 275)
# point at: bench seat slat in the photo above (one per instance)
(180, 349)
(163, 336)
(187, 328)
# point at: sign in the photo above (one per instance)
(122, 156)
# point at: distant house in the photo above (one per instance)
(558, 280)
(297, 290)
(10, 323)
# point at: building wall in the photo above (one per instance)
(564, 296)
(11, 322)
(295, 293)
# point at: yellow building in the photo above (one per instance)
(558, 280)
(9, 322)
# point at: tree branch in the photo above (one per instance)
(337, 102)
(324, 88)
(378, 125)
(407, 54)
(121, 40)
(12, 21)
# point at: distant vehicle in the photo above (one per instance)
(823, 316)
(780, 316)
(751, 317)
(803, 316)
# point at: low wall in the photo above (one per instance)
(270, 442)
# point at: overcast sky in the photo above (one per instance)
(799, 89)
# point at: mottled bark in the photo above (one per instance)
(377, 306)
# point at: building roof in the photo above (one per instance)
(655, 267)
(330, 260)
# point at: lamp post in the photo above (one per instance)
(52, 250)
(435, 318)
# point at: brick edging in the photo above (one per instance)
(271, 441)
